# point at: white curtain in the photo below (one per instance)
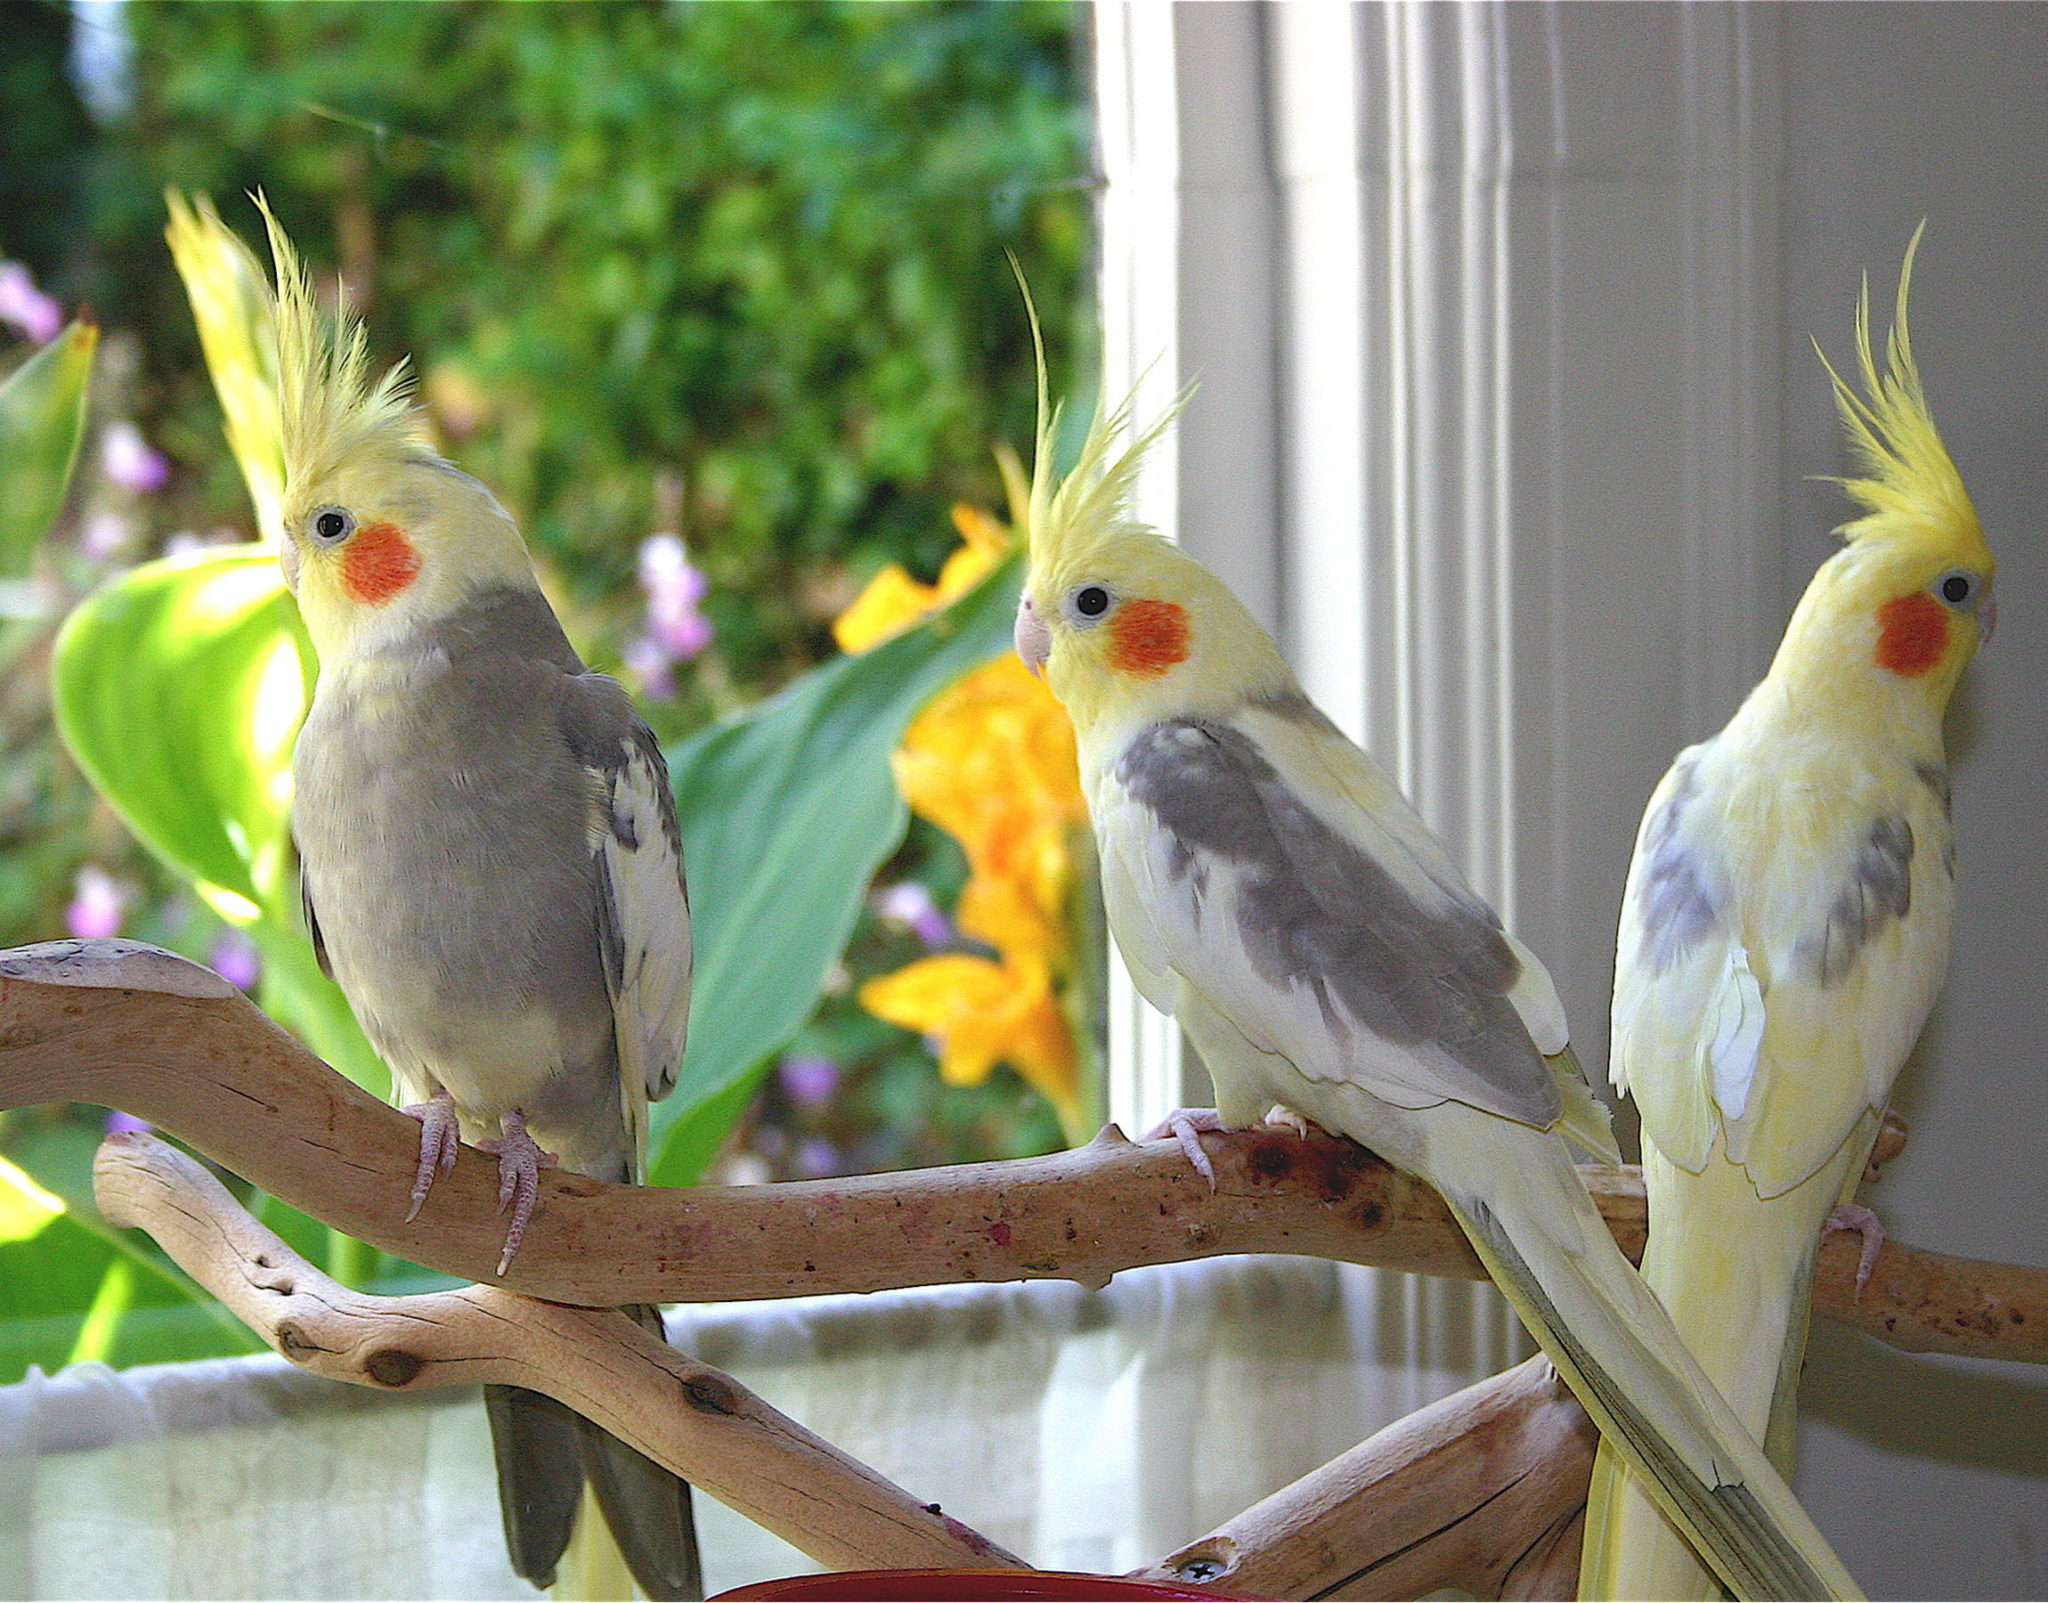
(1081, 1430)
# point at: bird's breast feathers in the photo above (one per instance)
(1267, 863)
(1781, 942)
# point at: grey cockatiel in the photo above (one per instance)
(491, 866)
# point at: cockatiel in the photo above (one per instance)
(492, 871)
(1785, 928)
(1271, 888)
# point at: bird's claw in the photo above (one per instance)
(1854, 1216)
(1187, 1126)
(520, 1162)
(439, 1139)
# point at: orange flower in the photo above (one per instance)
(990, 760)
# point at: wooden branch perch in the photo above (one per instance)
(1481, 1492)
(132, 1027)
(686, 1414)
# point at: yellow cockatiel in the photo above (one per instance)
(1270, 886)
(1785, 929)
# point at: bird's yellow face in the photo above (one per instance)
(1923, 611)
(1137, 630)
(375, 546)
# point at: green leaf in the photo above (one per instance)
(179, 689)
(42, 417)
(786, 816)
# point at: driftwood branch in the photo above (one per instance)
(1481, 1492)
(135, 1028)
(686, 1414)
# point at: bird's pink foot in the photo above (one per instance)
(1187, 1125)
(439, 1138)
(1854, 1216)
(520, 1162)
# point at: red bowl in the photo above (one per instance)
(964, 1586)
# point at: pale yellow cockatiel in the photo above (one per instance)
(1270, 887)
(492, 873)
(1785, 929)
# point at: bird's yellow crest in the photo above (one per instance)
(332, 408)
(1909, 484)
(1069, 519)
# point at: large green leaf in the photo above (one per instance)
(787, 814)
(42, 416)
(179, 689)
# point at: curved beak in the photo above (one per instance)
(1033, 638)
(288, 559)
(1987, 615)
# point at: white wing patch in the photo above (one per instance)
(647, 927)
(1735, 1034)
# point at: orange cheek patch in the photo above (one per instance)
(379, 563)
(1148, 637)
(1912, 633)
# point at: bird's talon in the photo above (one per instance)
(1854, 1216)
(520, 1162)
(439, 1139)
(1186, 1126)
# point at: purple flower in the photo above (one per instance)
(26, 307)
(674, 591)
(910, 904)
(235, 960)
(131, 461)
(817, 1158)
(103, 535)
(98, 900)
(808, 1078)
(647, 662)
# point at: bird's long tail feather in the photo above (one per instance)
(585, 1513)
(1736, 1274)
(1549, 1252)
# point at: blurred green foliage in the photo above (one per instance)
(732, 270)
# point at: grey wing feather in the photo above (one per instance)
(644, 911)
(1315, 913)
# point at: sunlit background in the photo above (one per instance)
(718, 299)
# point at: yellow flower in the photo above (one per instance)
(984, 1013)
(893, 600)
(990, 760)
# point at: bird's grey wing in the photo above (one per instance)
(313, 922)
(1314, 947)
(644, 910)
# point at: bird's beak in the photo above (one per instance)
(1034, 640)
(1987, 616)
(288, 559)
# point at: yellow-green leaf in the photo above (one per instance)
(42, 417)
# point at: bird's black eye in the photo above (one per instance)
(1091, 601)
(1956, 588)
(331, 525)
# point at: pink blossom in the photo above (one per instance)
(131, 461)
(97, 903)
(26, 307)
(675, 589)
(910, 904)
(235, 960)
(649, 662)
